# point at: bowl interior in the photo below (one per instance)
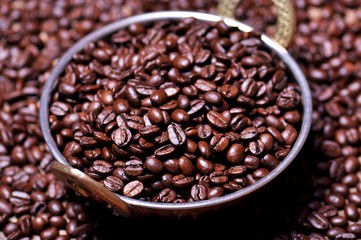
(293, 67)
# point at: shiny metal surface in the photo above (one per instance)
(132, 207)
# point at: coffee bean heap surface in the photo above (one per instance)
(176, 111)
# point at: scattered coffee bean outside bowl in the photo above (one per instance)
(174, 113)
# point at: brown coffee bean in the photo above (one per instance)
(219, 142)
(121, 106)
(176, 134)
(217, 120)
(198, 192)
(133, 189)
(59, 109)
(113, 183)
(159, 97)
(102, 167)
(196, 106)
(164, 151)
(318, 221)
(186, 166)
(180, 116)
(49, 233)
(181, 181)
(154, 165)
(155, 116)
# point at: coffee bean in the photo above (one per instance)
(164, 151)
(181, 181)
(249, 133)
(102, 167)
(218, 177)
(346, 236)
(113, 183)
(57, 221)
(318, 221)
(204, 166)
(159, 97)
(106, 116)
(213, 98)
(172, 165)
(354, 228)
(49, 233)
(229, 91)
(176, 134)
(121, 137)
(198, 192)
(196, 106)
(186, 166)
(217, 120)
(155, 116)
(121, 106)
(59, 109)
(251, 162)
(5, 207)
(260, 173)
(25, 224)
(154, 165)
(167, 195)
(148, 131)
(180, 116)
(215, 192)
(134, 167)
(202, 57)
(133, 189)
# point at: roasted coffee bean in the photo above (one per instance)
(159, 97)
(59, 109)
(196, 106)
(5, 207)
(217, 120)
(318, 221)
(198, 192)
(121, 136)
(181, 181)
(167, 195)
(164, 151)
(186, 166)
(113, 183)
(176, 134)
(134, 167)
(180, 116)
(204, 166)
(49, 233)
(354, 228)
(155, 116)
(106, 116)
(218, 177)
(260, 173)
(154, 165)
(204, 131)
(133, 189)
(219, 142)
(121, 106)
(102, 167)
(249, 133)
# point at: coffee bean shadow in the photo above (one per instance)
(263, 216)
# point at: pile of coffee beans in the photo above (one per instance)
(176, 111)
(35, 33)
